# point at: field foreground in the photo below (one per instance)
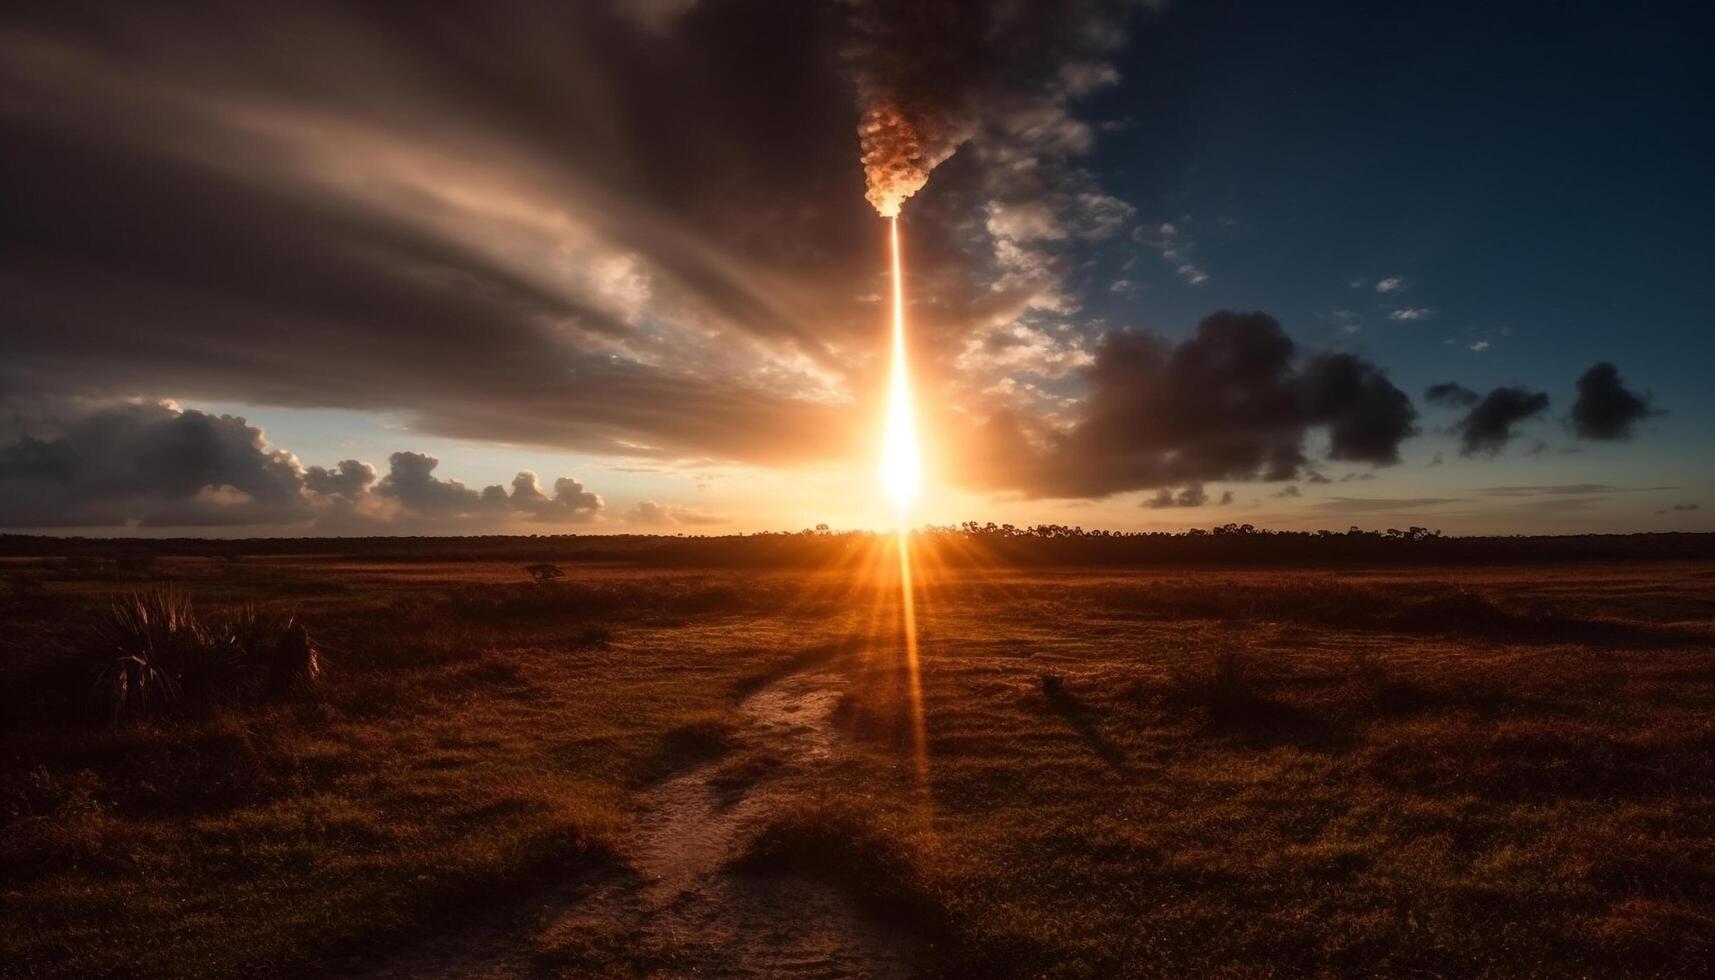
(655, 771)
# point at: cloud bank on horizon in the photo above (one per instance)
(639, 233)
(154, 465)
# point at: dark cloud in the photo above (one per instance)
(148, 464)
(1489, 426)
(1287, 492)
(1190, 495)
(1605, 408)
(1451, 394)
(1365, 415)
(1231, 403)
(350, 478)
(411, 480)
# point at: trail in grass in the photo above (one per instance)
(686, 913)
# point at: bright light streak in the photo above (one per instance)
(901, 462)
(902, 480)
(913, 669)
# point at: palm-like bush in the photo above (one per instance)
(275, 654)
(130, 686)
(147, 646)
(154, 656)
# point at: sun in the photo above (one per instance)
(901, 459)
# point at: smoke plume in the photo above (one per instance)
(930, 76)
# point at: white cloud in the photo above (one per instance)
(1099, 215)
(1392, 284)
(1411, 313)
(1168, 239)
(1192, 274)
(1480, 346)
(1021, 347)
(1023, 221)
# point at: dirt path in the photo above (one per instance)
(686, 913)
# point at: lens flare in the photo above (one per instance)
(901, 480)
(901, 461)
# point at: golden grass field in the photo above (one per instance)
(1498, 771)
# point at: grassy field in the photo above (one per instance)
(1497, 771)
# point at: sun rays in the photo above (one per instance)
(901, 457)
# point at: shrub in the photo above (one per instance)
(148, 647)
(276, 654)
(295, 664)
(151, 656)
(544, 572)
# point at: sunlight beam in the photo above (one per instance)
(901, 481)
(901, 461)
(913, 671)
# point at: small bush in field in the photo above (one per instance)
(277, 654)
(544, 572)
(295, 664)
(152, 656)
(147, 647)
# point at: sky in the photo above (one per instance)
(609, 266)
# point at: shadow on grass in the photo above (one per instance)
(1081, 718)
(491, 906)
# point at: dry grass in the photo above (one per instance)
(1240, 784)
(1485, 772)
(457, 759)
